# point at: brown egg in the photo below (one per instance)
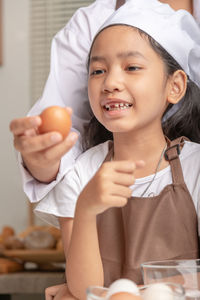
(55, 118)
(124, 296)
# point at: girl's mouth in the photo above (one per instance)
(117, 106)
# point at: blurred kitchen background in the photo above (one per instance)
(27, 27)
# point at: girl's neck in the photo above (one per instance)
(180, 4)
(147, 147)
(134, 146)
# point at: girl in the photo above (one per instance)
(46, 158)
(136, 196)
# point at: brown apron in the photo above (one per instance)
(149, 228)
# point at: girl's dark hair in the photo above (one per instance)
(184, 122)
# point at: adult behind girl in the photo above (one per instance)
(137, 70)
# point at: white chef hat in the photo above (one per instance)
(176, 31)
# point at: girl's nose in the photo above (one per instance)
(113, 82)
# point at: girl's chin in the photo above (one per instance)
(119, 129)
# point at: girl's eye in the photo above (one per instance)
(97, 72)
(133, 68)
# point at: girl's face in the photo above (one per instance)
(127, 84)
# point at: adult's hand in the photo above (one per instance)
(41, 153)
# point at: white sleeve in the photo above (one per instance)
(36, 190)
(60, 201)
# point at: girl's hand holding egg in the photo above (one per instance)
(43, 140)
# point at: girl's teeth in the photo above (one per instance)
(117, 106)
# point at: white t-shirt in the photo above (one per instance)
(61, 201)
(67, 81)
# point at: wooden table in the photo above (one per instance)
(26, 284)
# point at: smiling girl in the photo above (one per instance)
(133, 196)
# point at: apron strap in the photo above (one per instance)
(172, 155)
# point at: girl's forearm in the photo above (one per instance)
(84, 265)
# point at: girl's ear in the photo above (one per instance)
(177, 86)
